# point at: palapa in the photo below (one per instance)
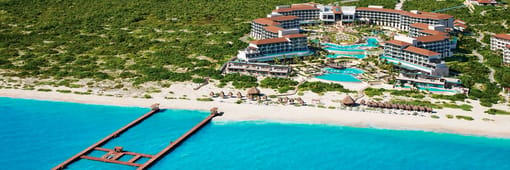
(239, 95)
(212, 94)
(362, 102)
(230, 94)
(253, 91)
(407, 107)
(429, 109)
(348, 101)
(291, 100)
(264, 97)
(415, 108)
(421, 108)
(301, 102)
(222, 94)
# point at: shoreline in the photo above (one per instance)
(292, 114)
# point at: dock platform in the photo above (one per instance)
(113, 155)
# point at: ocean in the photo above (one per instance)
(41, 134)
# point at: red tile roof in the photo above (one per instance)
(508, 46)
(503, 36)
(434, 32)
(423, 15)
(283, 18)
(397, 42)
(270, 41)
(296, 8)
(431, 38)
(273, 29)
(487, 2)
(295, 36)
(337, 10)
(265, 21)
(421, 51)
(460, 25)
(422, 26)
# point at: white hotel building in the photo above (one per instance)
(413, 58)
(502, 42)
(287, 46)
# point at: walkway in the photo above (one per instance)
(450, 8)
(481, 60)
(400, 4)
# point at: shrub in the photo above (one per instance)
(464, 117)
(64, 91)
(205, 99)
(449, 116)
(434, 116)
(497, 112)
(44, 90)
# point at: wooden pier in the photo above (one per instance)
(113, 155)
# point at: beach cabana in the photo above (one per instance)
(415, 108)
(253, 91)
(291, 101)
(301, 102)
(212, 94)
(264, 98)
(407, 107)
(222, 94)
(230, 94)
(348, 101)
(362, 102)
(239, 95)
(155, 106)
(394, 106)
(428, 109)
(421, 108)
(280, 99)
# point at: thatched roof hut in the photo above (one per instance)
(421, 108)
(301, 102)
(362, 102)
(222, 94)
(428, 109)
(401, 106)
(299, 99)
(394, 106)
(230, 94)
(407, 107)
(264, 97)
(348, 101)
(253, 91)
(239, 95)
(370, 104)
(415, 108)
(212, 94)
(280, 99)
(381, 105)
(155, 106)
(291, 100)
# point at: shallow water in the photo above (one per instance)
(40, 134)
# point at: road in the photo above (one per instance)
(480, 59)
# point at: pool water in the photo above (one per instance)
(341, 75)
(358, 56)
(371, 43)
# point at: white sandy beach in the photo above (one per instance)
(500, 127)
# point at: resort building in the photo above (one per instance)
(430, 83)
(501, 42)
(257, 69)
(272, 27)
(436, 43)
(305, 12)
(484, 2)
(414, 59)
(422, 29)
(402, 19)
(283, 47)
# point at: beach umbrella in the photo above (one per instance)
(407, 107)
(429, 109)
(253, 91)
(280, 99)
(286, 98)
(380, 104)
(348, 101)
(421, 108)
(415, 108)
(222, 94)
(362, 102)
(230, 94)
(301, 102)
(291, 100)
(211, 94)
(401, 106)
(239, 95)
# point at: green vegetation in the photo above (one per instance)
(44, 90)
(281, 84)
(465, 107)
(456, 97)
(240, 81)
(449, 116)
(205, 99)
(434, 116)
(497, 112)
(464, 117)
(364, 3)
(64, 91)
(430, 5)
(408, 93)
(320, 87)
(136, 41)
(147, 96)
(416, 103)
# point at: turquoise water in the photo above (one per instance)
(345, 71)
(341, 75)
(41, 134)
(371, 43)
(358, 56)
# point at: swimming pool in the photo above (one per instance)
(371, 42)
(358, 56)
(341, 75)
